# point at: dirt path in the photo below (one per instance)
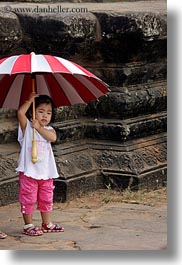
(103, 220)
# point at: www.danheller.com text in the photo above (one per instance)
(47, 9)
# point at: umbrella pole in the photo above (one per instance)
(34, 144)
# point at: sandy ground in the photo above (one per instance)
(102, 220)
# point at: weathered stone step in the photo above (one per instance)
(130, 74)
(84, 145)
(87, 127)
(89, 164)
(82, 152)
(8, 131)
(112, 129)
(126, 146)
(120, 33)
(119, 130)
(161, 84)
(130, 101)
(136, 164)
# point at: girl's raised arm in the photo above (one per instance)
(21, 113)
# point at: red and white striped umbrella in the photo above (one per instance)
(67, 83)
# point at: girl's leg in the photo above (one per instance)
(27, 219)
(45, 203)
(46, 217)
(27, 197)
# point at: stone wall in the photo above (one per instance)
(120, 139)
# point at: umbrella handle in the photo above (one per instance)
(34, 148)
(34, 143)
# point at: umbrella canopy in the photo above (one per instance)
(66, 82)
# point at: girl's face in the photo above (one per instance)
(43, 114)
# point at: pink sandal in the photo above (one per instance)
(2, 235)
(33, 231)
(52, 228)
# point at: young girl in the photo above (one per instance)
(36, 179)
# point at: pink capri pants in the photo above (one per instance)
(33, 191)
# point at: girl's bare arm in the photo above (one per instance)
(21, 113)
(49, 135)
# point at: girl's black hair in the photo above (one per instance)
(42, 99)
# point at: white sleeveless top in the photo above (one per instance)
(45, 167)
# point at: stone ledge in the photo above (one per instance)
(126, 129)
(135, 164)
(112, 129)
(98, 128)
(9, 191)
(128, 74)
(90, 155)
(71, 188)
(139, 164)
(112, 27)
(121, 103)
